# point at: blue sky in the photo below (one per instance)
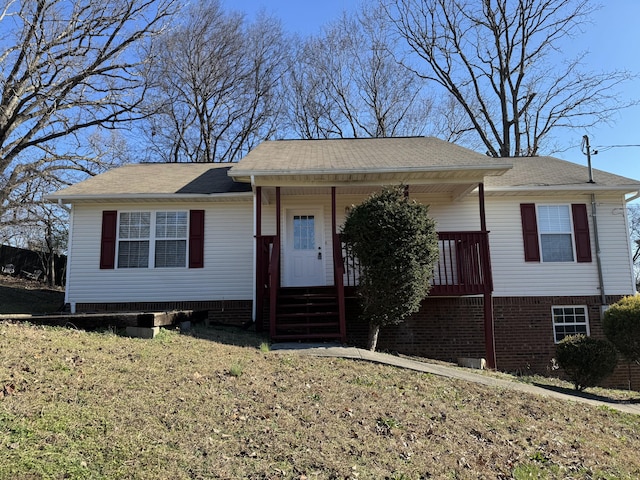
(613, 40)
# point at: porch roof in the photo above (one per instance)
(414, 160)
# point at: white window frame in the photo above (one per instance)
(571, 232)
(152, 239)
(183, 238)
(573, 323)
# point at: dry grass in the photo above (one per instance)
(216, 405)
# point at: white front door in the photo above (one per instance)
(303, 250)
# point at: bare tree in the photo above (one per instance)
(67, 69)
(347, 83)
(499, 60)
(633, 214)
(214, 81)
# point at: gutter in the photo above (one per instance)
(146, 196)
(633, 197)
(633, 188)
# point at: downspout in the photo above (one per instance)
(603, 296)
(72, 305)
(255, 252)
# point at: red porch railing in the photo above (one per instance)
(464, 267)
(264, 253)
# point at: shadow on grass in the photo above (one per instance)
(228, 334)
(591, 396)
(33, 301)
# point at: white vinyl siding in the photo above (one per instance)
(228, 254)
(512, 276)
(229, 246)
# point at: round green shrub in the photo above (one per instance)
(586, 360)
(621, 325)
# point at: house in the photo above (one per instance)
(530, 249)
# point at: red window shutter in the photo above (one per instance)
(530, 232)
(581, 231)
(108, 239)
(196, 238)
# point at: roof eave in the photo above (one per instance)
(501, 168)
(341, 175)
(564, 188)
(144, 196)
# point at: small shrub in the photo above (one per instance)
(621, 325)
(264, 347)
(586, 360)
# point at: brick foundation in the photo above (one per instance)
(229, 312)
(443, 329)
(449, 328)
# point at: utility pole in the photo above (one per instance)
(586, 149)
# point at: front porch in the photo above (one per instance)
(318, 311)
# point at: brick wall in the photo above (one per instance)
(449, 328)
(229, 312)
(443, 329)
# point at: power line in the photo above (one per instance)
(604, 148)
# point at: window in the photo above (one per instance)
(554, 226)
(556, 233)
(133, 239)
(171, 239)
(569, 320)
(161, 237)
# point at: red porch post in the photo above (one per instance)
(489, 330)
(274, 269)
(338, 268)
(259, 263)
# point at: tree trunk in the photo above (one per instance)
(372, 341)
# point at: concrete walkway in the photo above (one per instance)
(335, 350)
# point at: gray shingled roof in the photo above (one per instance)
(158, 179)
(528, 172)
(330, 158)
(360, 155)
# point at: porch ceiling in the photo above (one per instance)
(435, 176)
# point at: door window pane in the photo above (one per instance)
(304, 232)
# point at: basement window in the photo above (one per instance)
(569, 320)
